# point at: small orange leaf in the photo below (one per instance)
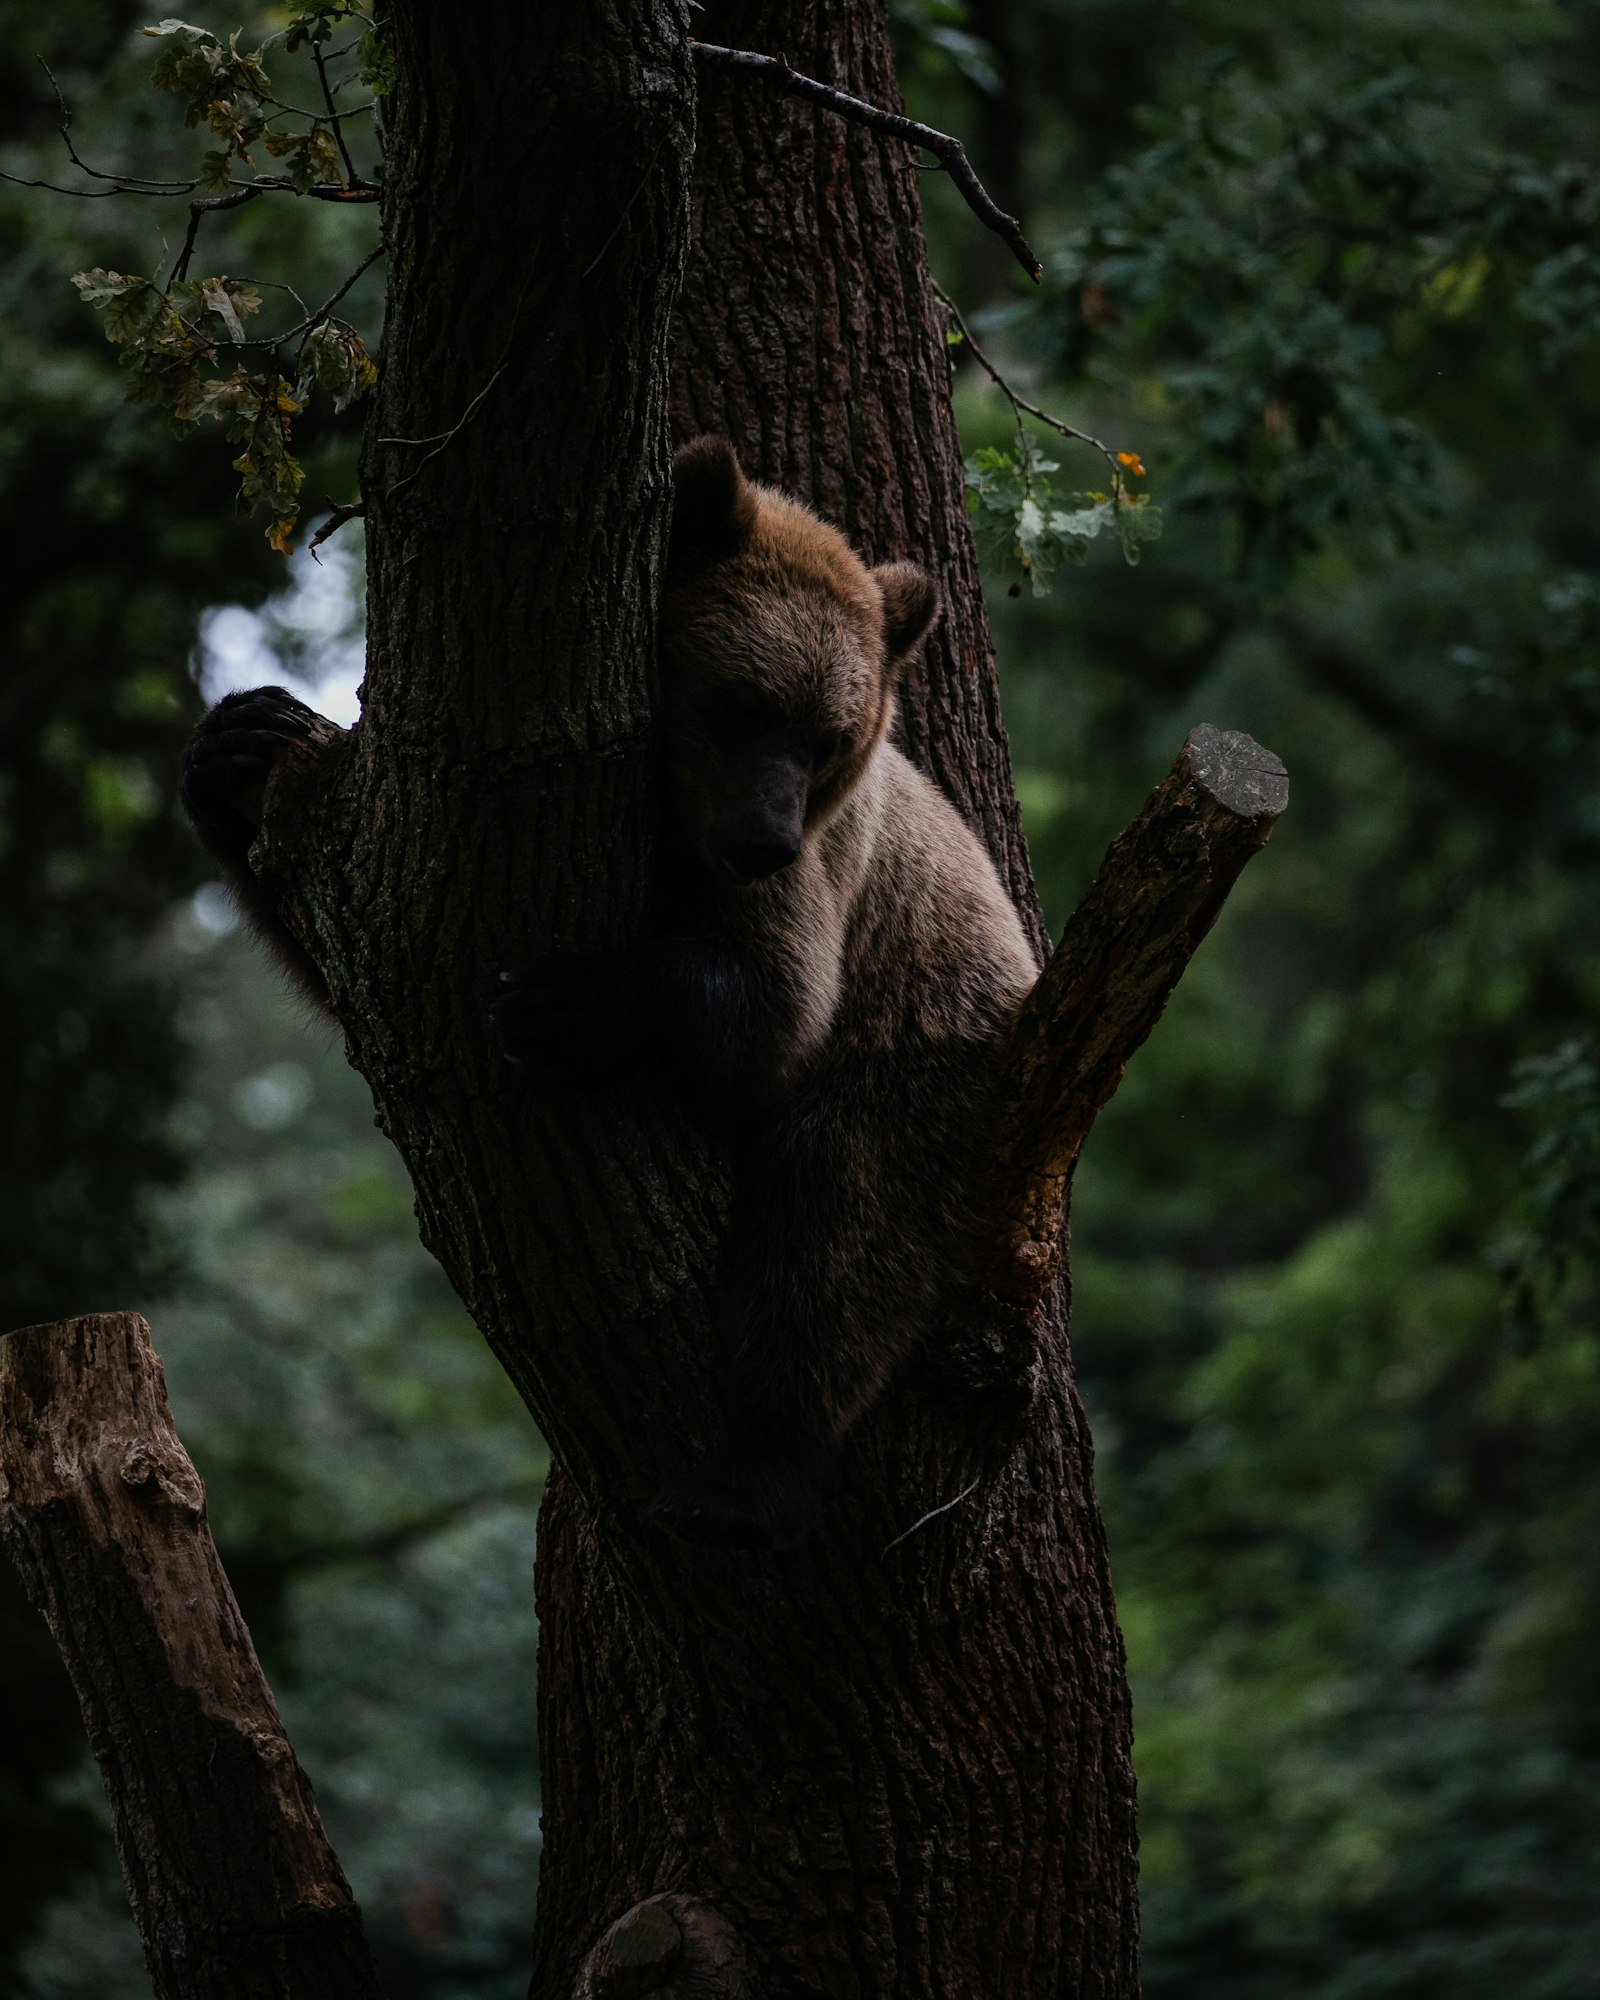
(1131, 463)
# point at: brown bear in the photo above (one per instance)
(830, 972)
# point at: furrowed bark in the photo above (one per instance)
(1158, 892)
(950, 152)
(234, 1887)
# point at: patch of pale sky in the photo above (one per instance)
(307, 638)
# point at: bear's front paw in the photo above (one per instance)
(232, 751)
(554, 1020)
(746, 1503)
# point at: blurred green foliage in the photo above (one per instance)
(372, 1481)
(116, 539)
(1335, 274)
(1332, 272)
(373, 1477)
(111, 549)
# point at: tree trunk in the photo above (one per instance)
(888, 1762)
(967, 1688)
(233, 1884)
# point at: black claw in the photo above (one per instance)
(234, 747)
(549, 1019)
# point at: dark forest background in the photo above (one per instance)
(1332, 273)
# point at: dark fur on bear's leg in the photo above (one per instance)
(668, 1012)
(764, 1489)
(559, 1021)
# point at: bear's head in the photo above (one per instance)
(780, 652)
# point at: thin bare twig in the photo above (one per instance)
(197, 209)
(318, 117)
(131, 182)
(443, 437)
(354, 43)
(1020, 403)
(949, 151)
(342, 511)
(312, 318)
(323, 191)
(315, 318)
(627, 210)
(932, 1514)
(249, 192)
(336, 116)
(100, 193)
(159, 191)
(172, 189)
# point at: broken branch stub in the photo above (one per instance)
(234, 1886)
(1158, 892)
(671, 1946)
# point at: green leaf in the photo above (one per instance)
(224, 86)
(162, 379)
(271, 475)
(226, 398)
(96, 287)
(229, 305)
(1015, 517)
(375, 59)
(1138, 521)
(315, 24)
(133, 306)
(310, 157)
(335, 357)
(219, 398)
(1084, 522)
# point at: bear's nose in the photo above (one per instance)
(751, 860)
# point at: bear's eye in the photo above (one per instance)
(740, 703)
(825, 750)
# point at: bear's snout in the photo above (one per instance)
(753, 860)
(761, 826)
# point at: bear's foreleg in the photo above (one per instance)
(847, 1231)
(695, 1014)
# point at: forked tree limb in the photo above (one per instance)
(1158, 892)
(234, 1886)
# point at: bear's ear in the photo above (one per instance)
(713, 507)
(910, 606)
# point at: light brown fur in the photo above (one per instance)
(890, 964)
